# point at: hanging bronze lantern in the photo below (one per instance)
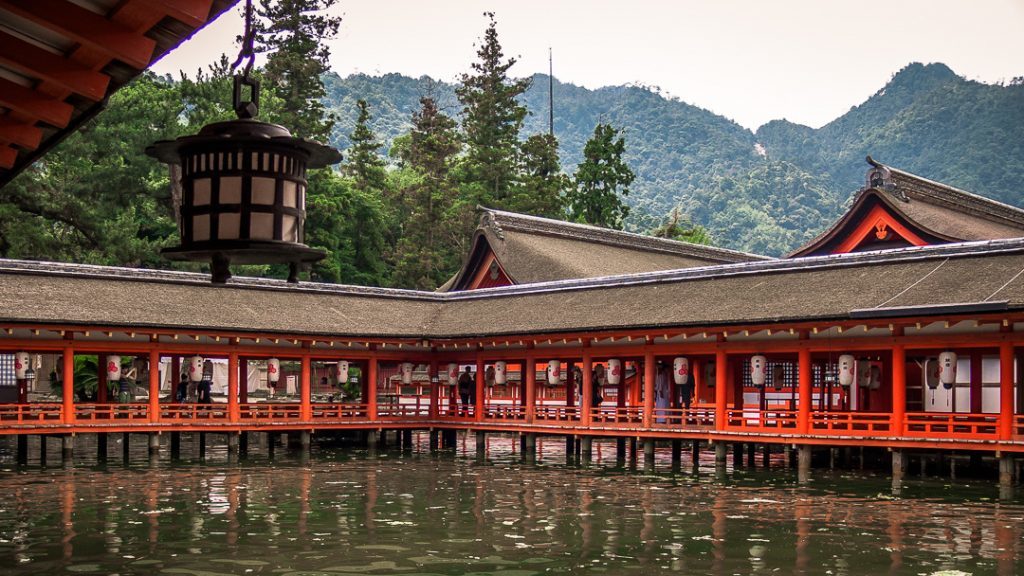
(242, 187)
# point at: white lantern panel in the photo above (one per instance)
(343, 371)
(290, 199)
(261, 226)
(201, 228)
(758, 370)
(406, 372)
(947, 368)
(453, 374)
(554, 372)
(500, 372)
(228, 226)
(201, 192)
(289, 228)
(263, 191)
(231, 190)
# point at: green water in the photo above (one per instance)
(345, 512)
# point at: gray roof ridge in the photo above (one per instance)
(954, 197)
(178, 277)
(504, 220)
(780, 266)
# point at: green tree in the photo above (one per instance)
(491, 120)
(679, 227)
(365, 165)
(542, 184)
(293, 33)
(427, 253)
(600, 179)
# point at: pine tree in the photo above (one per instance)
(427, 252)
(679, 227)
(542, 185)
(491, 120)
(365, 166)
(293, 33)
(600, 179)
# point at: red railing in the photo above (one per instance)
(951, 425)
(416, 410)
(504, 412)
(852, 423)
(684, 418)
(195, 412)
(30, 414)
(621, 415)
(106, 412)
(338, 411)
(556, 413)
(753, 420)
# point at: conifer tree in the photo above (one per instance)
(679, 227)
(600, 179)
(427, 252)
(491, 120)
(293, 33)
(542, 184)
(365, 165)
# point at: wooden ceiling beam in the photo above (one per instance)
(36, 62)
(34, 104)
(21, 134)
(191, 12)
(7, 157)
(87, 28)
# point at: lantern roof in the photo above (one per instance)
(238, 133)
(60, 61)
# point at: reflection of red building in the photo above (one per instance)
(913, 271)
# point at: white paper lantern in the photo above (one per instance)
(500, 372)
(453, 374)
(554, 372)
(947, 369)
(931, 373)
(21, 364)
(342, 371)
(113, 368)
(680, 370)
(195, 369)
(614, 371)
(758, 370)
(273, 370)
(847, 370)
(407, 372)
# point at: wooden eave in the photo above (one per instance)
(60, 61)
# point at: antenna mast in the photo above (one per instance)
(551, 95)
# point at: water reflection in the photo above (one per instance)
(343, 512)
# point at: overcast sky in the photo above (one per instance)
(750, 60)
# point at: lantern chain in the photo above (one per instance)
(247, 54)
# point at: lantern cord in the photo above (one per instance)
(247, 51)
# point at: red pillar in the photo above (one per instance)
(899, 388)
(588, 390)
(1005, 390)
(371, 389)
(101, 379)
(154, 386)
(243, 380)
(233, 412)
(721, 381)
(530, 367)
(478, 405)
(649, 375)
(806, 396)
(68, 391)
(306, 394)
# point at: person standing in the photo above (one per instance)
(467, 390)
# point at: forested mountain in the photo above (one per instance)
(767, 191)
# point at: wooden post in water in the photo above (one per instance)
(803, 472)
(101, 447)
